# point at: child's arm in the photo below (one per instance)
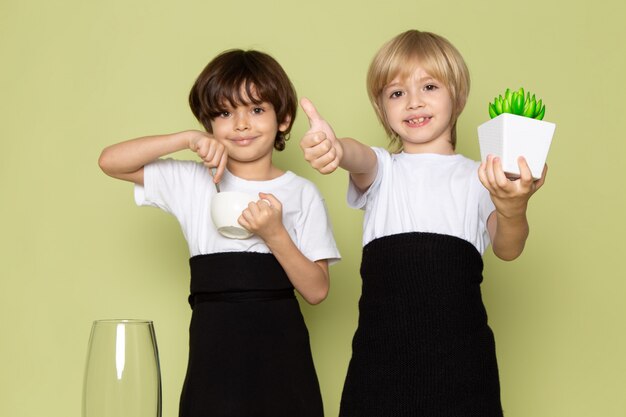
(325, 152)
(126, 160)
(264, 218)
(508, 225)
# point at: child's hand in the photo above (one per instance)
(509, 196)
(264, 218)
(211, 151)
(320, 145)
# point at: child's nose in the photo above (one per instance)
(414, 101)
(242, 122)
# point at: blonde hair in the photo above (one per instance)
(398, 57)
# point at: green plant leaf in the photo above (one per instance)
(517, 104)
(498, 104)
(492, 111)
(520, 102)
(529, 111)
(542, 113)
(526, 106)
(538, 109)
(506, 106)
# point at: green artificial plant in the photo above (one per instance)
(517, 103)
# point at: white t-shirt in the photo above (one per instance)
(185, 189)
(424, 193)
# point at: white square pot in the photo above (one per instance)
(510, 136)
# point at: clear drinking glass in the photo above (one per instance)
(122, 375)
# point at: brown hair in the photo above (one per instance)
(239, 77)
(439, 58)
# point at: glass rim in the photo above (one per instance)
(122, 321)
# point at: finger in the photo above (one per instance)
(310, 111)
(273, 201)
(526, 177)
(257, 208)
(330, 167)
(200, 150)
(244, 222)
(210, 151)
(541, 180)
(221, 167)
(500, 177)
(482, 174)
(323, 161)
(311, 140)
(320, 154)
(207, 149)
(489, 174)
(250, 213)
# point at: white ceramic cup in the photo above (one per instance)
(226, 207)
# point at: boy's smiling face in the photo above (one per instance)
(419, 110)
(248, 130)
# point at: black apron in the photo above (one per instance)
(249, 352)
(423, 346)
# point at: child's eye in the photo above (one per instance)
(224, 114)
(430, 87)
(396, 94)
(258, 110)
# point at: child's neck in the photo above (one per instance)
(262, 170)
(441, 148)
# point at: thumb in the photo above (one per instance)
(311, 112)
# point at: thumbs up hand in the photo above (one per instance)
(320, 145)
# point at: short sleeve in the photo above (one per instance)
(316, 240)
(167, 185)
(357, 198)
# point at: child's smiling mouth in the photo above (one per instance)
(243, 141)
(417, 121)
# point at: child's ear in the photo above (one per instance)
(285, 124)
